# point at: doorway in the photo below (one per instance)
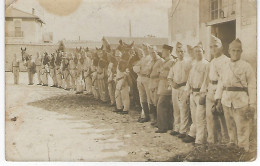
(226, 32)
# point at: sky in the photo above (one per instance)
(93, 19)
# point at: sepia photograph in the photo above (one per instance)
(130, 80)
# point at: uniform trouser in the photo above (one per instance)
(122, 98)
(238, 126)
(79, 85)
(164, 112)
(216, 124)
(198, 116)
(102, 89)
(53, 76)
(66, 84)
(38, 71)
(144, 91)
(95, 89)
(88, 84)
(111, 91)
(181, 112)
(16, 75)
(44, 76)
(154, 100)
(30, 76)
(73, 79)
(59, 77)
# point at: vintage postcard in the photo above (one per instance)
(131, 80)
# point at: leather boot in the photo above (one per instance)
(146, 112)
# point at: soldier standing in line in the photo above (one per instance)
(79, 78)
(111, 72)
(197, 76)
(236, 92)
(38, 63)
(58, 69)
(94, 76)
(122, 87)
(216, 124)
(45, 69)
(72, 69)
(154, 82)
(87, 73)
(15, 69)
(30, 65)
(178, 77)
(65, 71)
(52, 70)
(164, 105)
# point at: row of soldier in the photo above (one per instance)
(197, 100)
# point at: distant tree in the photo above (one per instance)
(61, 46)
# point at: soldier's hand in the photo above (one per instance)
(251, 111)
(202, 100)
(219, 107)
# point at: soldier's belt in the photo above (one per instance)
(15, 66)
(180, 85)
(100, 73)
(195, 89)
(38, 65)
(213, 82)
(154, 77)
(145, 75)
(235, 89)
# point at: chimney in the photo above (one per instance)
(33, 11)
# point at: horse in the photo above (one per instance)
(25, 55)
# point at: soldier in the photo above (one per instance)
(72, 69)
(236, 91)
(122, 87)
(58, 69)
(15, 69)
(196, 78)
(178, 77)
(79, 79)
(102, 76)
(94, 76)
(111, 73)
(38, 63)
(143, 86)
(156, 63)
(65, 72)
(164, 106)
(52, 70)
(45, 69)
(30, 65)
(215, 122)
(87, 73)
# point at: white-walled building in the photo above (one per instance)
(22, 27)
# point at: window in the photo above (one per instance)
(214, 9)
(17, 29)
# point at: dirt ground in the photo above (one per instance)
(56, 125)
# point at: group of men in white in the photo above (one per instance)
(199, 101)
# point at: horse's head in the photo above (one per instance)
(24, 54)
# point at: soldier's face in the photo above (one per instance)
(180, 53)
(215, 49)
(198, 53)
(235, 53)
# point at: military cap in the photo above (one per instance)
(167, 47)
(236, 43)
(199, 45)
(215, 40)
(178, 45)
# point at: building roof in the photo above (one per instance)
(156, 41)
(12, 12)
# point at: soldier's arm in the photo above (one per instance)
(219, 91)
(205, 83)
(250, 75)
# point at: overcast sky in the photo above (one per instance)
(92, 19)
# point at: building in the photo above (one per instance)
(191, 21)
(71, 45)
(138, 41)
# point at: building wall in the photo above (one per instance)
(32, 31)
(31, 49)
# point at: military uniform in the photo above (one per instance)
(196, 78)
(94, 81)
(111, 83)
(101, 81)
(79, 79)
(87, 75)
(58, 70)
(73, 72)
(237, 91)
(153, 86)
(29, 65)
(164, 105)
(66, 73)
(179, 75)
(45, 70)
(15, 70)
(38, 63)
(53, 72)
